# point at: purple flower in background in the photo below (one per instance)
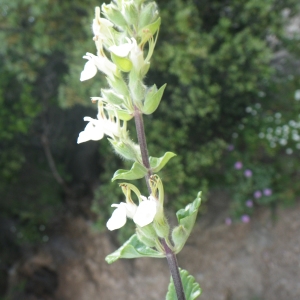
(248, 173)
(245, 218)
(249, 203)
(267, 192)
(238, 165)
(257, 194)
(230, 147)
(228, 221)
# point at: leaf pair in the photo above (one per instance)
(134, 248)
(138, 171)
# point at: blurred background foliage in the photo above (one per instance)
(233, 92)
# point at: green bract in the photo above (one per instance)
(131, 14)
(126, 149)
(133, 248)
(124, 64)
(148, 14)
(136, 86)
(186, 218)
(152, 99)
(111, 97)
(148, 31)
(137, 171)
(191, 288)
(158, 163)
(119, 85)
(112, 13)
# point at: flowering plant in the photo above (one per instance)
(125, 40)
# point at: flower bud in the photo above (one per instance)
(162, 229)
(124, 115)
(145, 69)
(148, 31)
(118, 84)
(179, 236)
(123, 63)
(148, 15)
(147, 235)
(111, 97)
(113, 14)
(146, 241)
(131, 13)
(127, 150)
(136, 87)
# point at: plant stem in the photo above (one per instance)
(173, 266)
(139, 125)
(170, 255)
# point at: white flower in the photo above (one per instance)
(122, 50)
(145, 212)
(142, 215)
(96, 129)
(89, 71)
(136, 55)
(101, 27)
(94, 62)
(93, 131)
(132, 50)
(120, 214)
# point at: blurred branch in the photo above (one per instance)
(51, 163)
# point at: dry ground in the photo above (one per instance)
(255, 261)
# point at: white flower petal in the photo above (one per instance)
(118, 217)
(102, 63)
(89, 71)
(130, 210)
(92, 131)
(122, 50)
(145, 213)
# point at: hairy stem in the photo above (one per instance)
(170, 255)
(139, 125)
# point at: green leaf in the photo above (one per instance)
(186, 219)
(158, 163)
(133, 248)
(136, 172)
(124, 64)
(153, 99)
(191, 288)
